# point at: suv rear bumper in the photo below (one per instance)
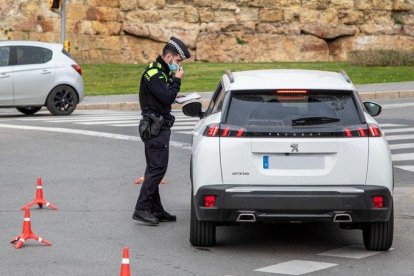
(293, 203)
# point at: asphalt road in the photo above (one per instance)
(88, 162)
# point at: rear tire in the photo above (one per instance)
(62, 100)
(202, 233)
(378, 236)
(28, 110)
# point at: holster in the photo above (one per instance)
(144, 129)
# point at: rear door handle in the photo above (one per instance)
(3, 76)
(45, 72)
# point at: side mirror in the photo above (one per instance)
(373, 109)
(193, 109)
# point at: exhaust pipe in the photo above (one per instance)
(342, 218)
(246, 217)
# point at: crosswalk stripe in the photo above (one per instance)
(396, 130)
(181, 128)
(74, 119)
(391, 125)
(402, 146)
(87, 123)
(403, 156)
(407, 168)
(399, 137)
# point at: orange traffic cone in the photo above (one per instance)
(125, 271)
(140, 180)
(39, 200)
(27, 233)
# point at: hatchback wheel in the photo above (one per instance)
(378, 236)
(202, 233)
(62, 100)
(28, 110)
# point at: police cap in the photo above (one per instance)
(180, 47)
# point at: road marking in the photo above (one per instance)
(395, 130)
(403, 156)
(407, 168)
(91, 133)
(399, 137)
(402, 146)
(397, 105)
(351, 252)
(391, 125)
(295, 267)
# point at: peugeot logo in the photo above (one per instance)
(295, 147)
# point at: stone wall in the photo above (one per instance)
(130, 31)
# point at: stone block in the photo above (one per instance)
(271, 15)
(404, 5)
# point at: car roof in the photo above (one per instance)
(287, 79)
(31, 43)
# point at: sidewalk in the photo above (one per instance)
(130, 101)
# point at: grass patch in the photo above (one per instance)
(381, 57)
(114, 79)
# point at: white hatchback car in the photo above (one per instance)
(290, 146)
(35, 74)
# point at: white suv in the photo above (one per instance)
(35, 74)
(290, 146)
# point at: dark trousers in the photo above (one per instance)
(156, 156)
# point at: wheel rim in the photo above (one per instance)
(64, 100)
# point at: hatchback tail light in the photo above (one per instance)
(370, 130)
(77, 68)
(217, 130)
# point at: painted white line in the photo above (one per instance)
(401, 146)
(75, 117)
(114, 121)
(399, 137)
(190, 125)
(403, 130)
(114, 118)
(398, 105)
(295, 267)
(182, 128)
(91, 133)
(184, 123)
(125, 125)
(351, 252)
(185, 132)
(406, 168)
(403, 156)
(391, 125)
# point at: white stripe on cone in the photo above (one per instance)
(125, 261)
(26, 219)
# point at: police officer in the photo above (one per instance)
(160, 84)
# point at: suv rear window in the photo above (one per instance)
(289, 110)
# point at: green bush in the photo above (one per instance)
(381, 57)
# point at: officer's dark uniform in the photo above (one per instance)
(158, 91)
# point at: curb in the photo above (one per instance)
(205, 102)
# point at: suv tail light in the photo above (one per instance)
(378, 201)
(77, 68)
(209, 201)
(370, 130)
(217, 130)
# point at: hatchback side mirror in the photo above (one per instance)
(193, 109)
(373, 109)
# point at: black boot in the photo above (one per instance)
(165, 216)
(145, 217)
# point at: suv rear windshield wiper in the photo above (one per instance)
(314, 121)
